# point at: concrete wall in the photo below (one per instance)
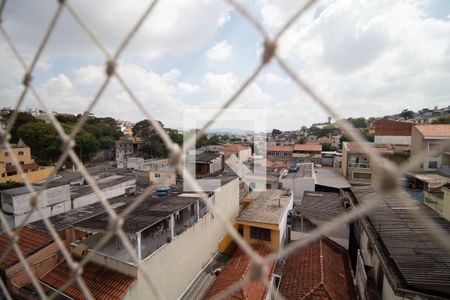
(109, 192)
(175, 265)
(36, 176)
(163, 178)
(40, 262)
(53, 201)
(245, 154)
(390, 139)
(216, 164)
(299, 185)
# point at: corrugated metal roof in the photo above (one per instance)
(411, 248)
(103, 283)
(320, 205)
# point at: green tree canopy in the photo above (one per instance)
(442, 120)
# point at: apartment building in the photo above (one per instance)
(33, 172)
(171, 233)
(280, 154)
(124, 149)
(303, 153)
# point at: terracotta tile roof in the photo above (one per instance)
(103, 283)
(30, 241)
(319, 271)
(393, 128)
(280, 148)
(438, 130)
(235, 270)
(234, 148)
(307, 147)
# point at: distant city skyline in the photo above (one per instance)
(365, 59)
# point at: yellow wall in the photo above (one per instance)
(26, 157)
(274, 242)
(42, 174)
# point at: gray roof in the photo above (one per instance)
(67, 219)
(151, 211)
(320, 205)
(206, 157)
(267, 207)
(331, 177)
(305, 170)
(18, 191)
(417, 259)
(81, 190)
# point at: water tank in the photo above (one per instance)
(163, 191)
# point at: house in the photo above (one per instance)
(356, 165)
(280, 154)
(103, 283)
(169, 233)
(235, 270)
(330, 180)
(316, 209)
(264, 218)
(16, 206)
(399, 258)
(205, 163)
(299, 179)
(320, 270)
(39, 251)
(431, 142)
(124, 149)
(439, 201)
(307, 153)
(242, 152)
(393, 132)
(33, 172)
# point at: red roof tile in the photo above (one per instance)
(438, 130)
(318, 271)
(103, 283)
(234, 148)
(234, 271)
(30, 241)
(307, 147)
(280, 148)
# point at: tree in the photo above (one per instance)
(67, 118)
(360, 122)
(152, 145)
(442, 120)
(22, 118)
(407, 114)
(301, 140)
(175, 135)
(43, 140)
(328, 147)
(276, 132)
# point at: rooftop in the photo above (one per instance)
(331, 177)
(67, 219)
(432, 178)
(103, 283)
(320, 205)
(267, 207)
(305, 170)
(235, 270)
(280, 148)
(103, 183)
(320, 270)
(205, 157)
(416, 259)
(30, 241)
(307, 147)
(234, 148)
(435, 131)
(151, 211)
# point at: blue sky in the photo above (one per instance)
(366, 58)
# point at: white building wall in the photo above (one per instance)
(299, 185)
(387, 292)
(283, 223)
(245, 154)
(53, 201)
(216, 165)
(175, 265)
(109, 192)
(392, 139)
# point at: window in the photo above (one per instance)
(22, 162)
(157, 175)
(8, 164)
(366, 176)
(20, 153)
(432, 165)
(260, 233)
(6, 153)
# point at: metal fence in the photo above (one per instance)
(388, 179)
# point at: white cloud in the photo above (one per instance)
(273, 79)
(219, 51)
